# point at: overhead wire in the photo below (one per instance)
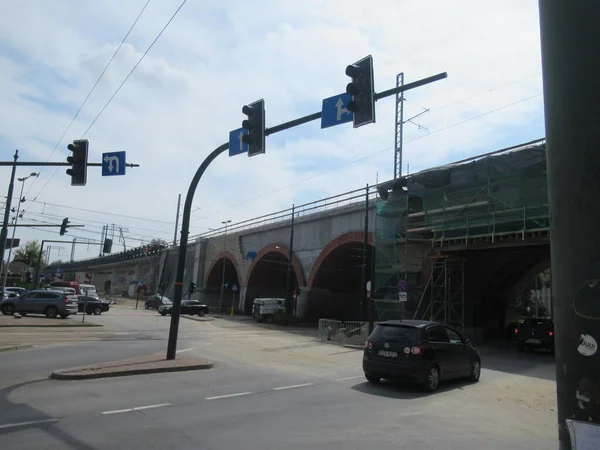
(87, 98)
(121, 85)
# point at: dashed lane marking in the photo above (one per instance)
(293, 386)
(239, 394)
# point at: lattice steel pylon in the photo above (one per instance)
(399, 126)
(447, 290)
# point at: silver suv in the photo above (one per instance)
(41, 301)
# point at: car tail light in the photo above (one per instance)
(550, 333)
(516, 330)
(416, 350)
(366, 344)
(66, 299)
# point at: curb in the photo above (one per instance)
(199, 319)
(355, 347)
(79, 325)
(90, 376)
(14, 347)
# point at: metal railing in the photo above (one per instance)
(350, 332)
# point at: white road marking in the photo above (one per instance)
(292, 387)
(23, 424)
(239, 394)
(349, 378)
(186, 350)
(137, 408)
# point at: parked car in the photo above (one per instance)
(154, 301)
(91, 305)
(420, 351)
(13, 291)
(41, 301)
(188, 307)
(535, 333)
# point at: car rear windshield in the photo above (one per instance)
(538, 323)
(396, 333)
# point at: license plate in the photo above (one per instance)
(532, 341)
(387, 353)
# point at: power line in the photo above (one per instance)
(87, 98)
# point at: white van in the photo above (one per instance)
(88, 289)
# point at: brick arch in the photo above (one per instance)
(352, 236)
(278, 248)
(217, 259)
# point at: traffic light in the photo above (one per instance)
(78, 161)
(107, 247)
(192, 287)
(362, 90)
(63, 227)
(255, 124)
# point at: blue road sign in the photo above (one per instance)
(113, 163)
(236, 145)
(402, 286)
(335, 110)
(58, 271)
(140, 283)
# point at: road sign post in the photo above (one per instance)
(237, 146)
(113, 163)
(234, 289)
(335, 110)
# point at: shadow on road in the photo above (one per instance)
(504, 357)
(405, 390)
(20, 412)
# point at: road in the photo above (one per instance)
(269, 389)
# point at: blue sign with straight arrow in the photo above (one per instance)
(335, 110)
(236, 145)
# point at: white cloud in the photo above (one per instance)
(186, 95)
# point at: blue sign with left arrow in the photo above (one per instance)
(335, 110)
(236, 145)
(113, 163)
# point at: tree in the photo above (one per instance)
(29, 254)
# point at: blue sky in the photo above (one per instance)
(187, 94)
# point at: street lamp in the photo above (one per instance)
(21, 200)
(225, 222)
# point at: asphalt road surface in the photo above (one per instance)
(269, 389)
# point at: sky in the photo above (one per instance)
(187, 91)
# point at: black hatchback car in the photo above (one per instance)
(421, 351)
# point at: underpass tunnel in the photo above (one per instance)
(268, 279)
(336, 289)
(494, 281)
(212, 291)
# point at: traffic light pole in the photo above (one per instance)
(570, 42)
(4, 231)
(187, 208)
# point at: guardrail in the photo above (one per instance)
(350, 332)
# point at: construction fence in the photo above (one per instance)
(345, 333)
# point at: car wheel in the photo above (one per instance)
(475, 371)
(372, 378)
(8, 310)
(201, 313)
(64, 316)
(51, 312)
(163, 313)
(97, 310)
(432, 379)
(146, 306)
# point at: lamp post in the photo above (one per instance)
(225, 222)
(21, 200)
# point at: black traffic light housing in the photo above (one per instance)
(192, 287)
(362, 90)
(78, 161)
(107, 247)
(64, 225)
(255, 124)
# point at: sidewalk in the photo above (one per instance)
(43, 322)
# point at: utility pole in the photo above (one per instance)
(225, 222)
(288, 279)
(4, 231)
(570, 42)
(177, 221)
(363, 273)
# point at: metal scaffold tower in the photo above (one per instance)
(447, 292)
(399, 126)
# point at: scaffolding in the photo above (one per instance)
(500, 196)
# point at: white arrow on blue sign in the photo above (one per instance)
(335, 110)
(236, 145)
(113, 163)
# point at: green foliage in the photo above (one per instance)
(29, 254)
